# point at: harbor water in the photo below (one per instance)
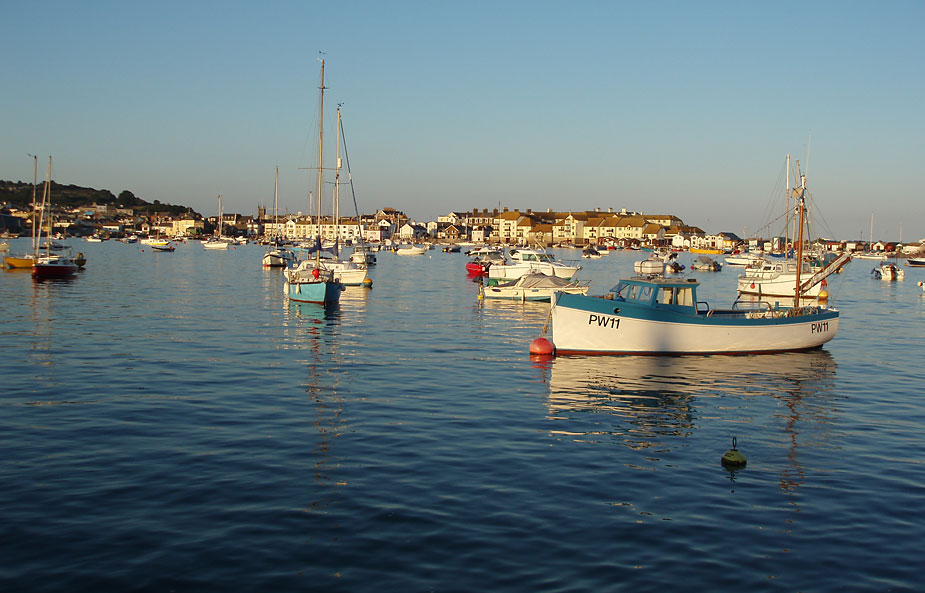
(169, 422)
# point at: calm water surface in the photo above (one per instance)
(170, 423)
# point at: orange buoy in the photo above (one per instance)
(542, 346)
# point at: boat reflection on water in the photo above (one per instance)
(650, 401)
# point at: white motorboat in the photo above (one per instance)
(525, 261)
(534, 287)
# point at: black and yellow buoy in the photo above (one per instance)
(733, 458)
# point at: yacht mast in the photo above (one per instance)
(319, 185)
(802, 202)
(276, 234)
(337, 165)
(787, 222)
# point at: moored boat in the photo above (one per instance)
(704, 263)
(483, 259)
(524, 261)
(534, 287)
(654, 315)
(916, 262)
(411, 250)
(309, 282)
(888, 272)
(53, 266)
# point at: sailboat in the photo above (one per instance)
(50, 265)
(869, 254)
(309, 282)
(276, 255)
(347, 272)
(217, 242)
(776, 277)
(651, 314)
(26, 260)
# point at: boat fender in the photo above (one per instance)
(315, 273)
(733, 458)
(542, 347)
(753, 285)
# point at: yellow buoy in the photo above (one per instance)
(733, 458)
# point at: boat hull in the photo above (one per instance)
(589, 325)
(43, 271)
(19, 263)
(320, 292)
(527, 294)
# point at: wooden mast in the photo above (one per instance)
(796, 300)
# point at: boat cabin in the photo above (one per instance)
(529, 255)
(675, 295)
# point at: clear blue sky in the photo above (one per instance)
(663, 107)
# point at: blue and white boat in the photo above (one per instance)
(309, 281)
(650, 314)
(656, 315)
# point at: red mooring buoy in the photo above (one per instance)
(542, 346)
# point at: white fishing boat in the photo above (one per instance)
(742, 259)
(534, 287)
(363, 254)
(526, 261)
(888, 272)
(705, 263)
(871, 255)
(411, 250)
(308, 282)
(654, 315)
(916, 262)
(778, 277)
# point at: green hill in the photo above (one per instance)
(19, 194)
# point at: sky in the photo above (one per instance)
(663, 107)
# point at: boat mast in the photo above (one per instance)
(802, 202)
(35, 174)
(220, 217)
(320, 181)
(46, 199)
(787, 217)
(276, 234)
(337, 163)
